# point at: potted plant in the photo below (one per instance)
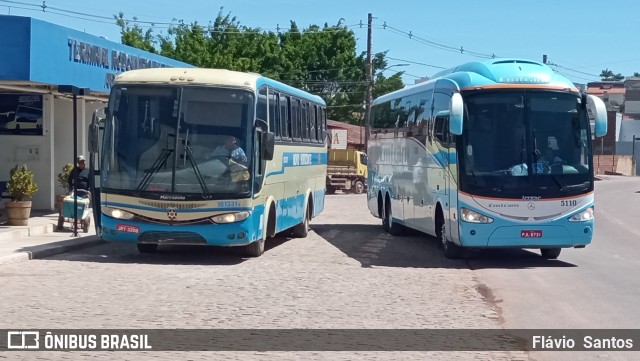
(20, 187)
(63, 182)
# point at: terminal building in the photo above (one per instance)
(36, 119)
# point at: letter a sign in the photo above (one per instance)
(338, 139)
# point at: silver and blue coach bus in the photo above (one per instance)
(495, 153)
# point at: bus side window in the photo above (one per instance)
(304, 121)
(441, 130)
(313, 109)
(261, 107)
(274, 120)
(295, 120)
(285, 122)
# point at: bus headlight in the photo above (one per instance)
(470, 216)
(586, 215)
(116, 213)
(230, 217)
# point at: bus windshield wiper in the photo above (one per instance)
(196, 170)
(155, 168)
(563, 187)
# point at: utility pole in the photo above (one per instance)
(369, 69)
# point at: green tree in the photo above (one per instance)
(320, 60)
(133, 35)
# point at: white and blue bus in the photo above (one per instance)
(207, 157)
(487, 154)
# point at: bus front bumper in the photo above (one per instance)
(231, 234)
(567, 234)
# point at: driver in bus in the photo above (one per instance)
(231, 150)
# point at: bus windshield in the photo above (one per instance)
(525, 142)
(190, 141)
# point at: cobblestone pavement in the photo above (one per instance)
(347, 273)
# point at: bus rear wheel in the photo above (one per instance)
(147, 247)
(394, 228)
(550, 253)
(302, 230)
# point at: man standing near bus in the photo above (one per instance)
(79, 175)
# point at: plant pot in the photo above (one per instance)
(18, 213)
(59, 202)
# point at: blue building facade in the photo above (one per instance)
(36, 51)
(36, 120)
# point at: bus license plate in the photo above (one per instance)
(531, 234)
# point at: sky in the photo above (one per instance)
(421, 37)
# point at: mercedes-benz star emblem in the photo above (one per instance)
(172, 214)
(531, 206)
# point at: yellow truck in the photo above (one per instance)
(346, 171)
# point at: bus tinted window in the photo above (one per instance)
(261, 107)
(285, 123)
(295, 119)
(274, 121)
(312, 122)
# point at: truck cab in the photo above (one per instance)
(346, 171)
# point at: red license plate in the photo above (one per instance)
(531, 234)
(127, 228)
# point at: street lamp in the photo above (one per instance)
(74, 91)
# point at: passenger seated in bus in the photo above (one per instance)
(231, 150)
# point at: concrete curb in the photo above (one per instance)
(26, 231)
(52, 249)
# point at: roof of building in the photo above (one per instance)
(608, 87)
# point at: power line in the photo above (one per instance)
(416, 62)
(438, 45)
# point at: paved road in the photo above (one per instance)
(594, 287)
(346, 274)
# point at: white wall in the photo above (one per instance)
(34, 152)
(46, 155)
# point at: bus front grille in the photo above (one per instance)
(171, 238)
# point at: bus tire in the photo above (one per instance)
(302, 230)
(358, 187)
(393, 228)
(449, 249)
(254, 249)
(331, 190)
(550, 253)
(147, 247)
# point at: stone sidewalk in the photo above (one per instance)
(40, 238)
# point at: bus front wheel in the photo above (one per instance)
(450, 249)
(254, 249)
(550, 253)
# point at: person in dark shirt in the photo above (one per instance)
(79, 175)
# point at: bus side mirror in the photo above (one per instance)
(94, 130)
(597, 112)
(268, 145)
(261, 125)
(455, 114)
